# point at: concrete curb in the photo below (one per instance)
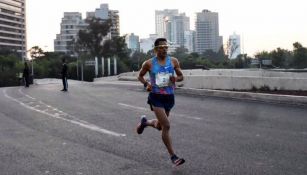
(270, 98)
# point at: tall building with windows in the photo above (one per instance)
(175, 27)
(115, 28)
(147, 44)
(103, 12)
(207, 32)
(71, 24)
(160, 16)
(132, 42)
(13, 26)
(189, 40)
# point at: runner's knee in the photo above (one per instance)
(166, 126)
(158, 126)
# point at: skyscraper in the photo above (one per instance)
(175, 26)
(189, 40)
(160, 16)
(71, 24)
(115, 28)
(207, 32)
(105, 13)
(147, 44)
(132, 42)
(13, 26)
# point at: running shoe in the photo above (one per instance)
(142, 125)
(177, 161)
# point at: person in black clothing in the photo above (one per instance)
(26, 74)
(64, 76)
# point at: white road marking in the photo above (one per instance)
(120, 83)
(134, 107)
(145, 109)
(26, 94)
(56, 115)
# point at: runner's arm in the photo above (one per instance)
(177, 70)
(143, 71)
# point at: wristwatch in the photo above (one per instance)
(145, 84)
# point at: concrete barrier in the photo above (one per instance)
(244, 83)
(236, 79)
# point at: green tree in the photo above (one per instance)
(93, 41)
(299, 56)
(90, 42)
(180, 53)
(280, 57)
(263, 55)
(221, 56)
(136, 60)
(10, 67)
(36, 52)
(92, 38)
(116, 47)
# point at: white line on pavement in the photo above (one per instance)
(26, 94)
(73, 121)
(134, 107)
(145, 109)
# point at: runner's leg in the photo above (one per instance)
(165, 125)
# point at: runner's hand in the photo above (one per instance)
(173, 79)
(148, 87)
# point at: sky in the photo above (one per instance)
(263, 25)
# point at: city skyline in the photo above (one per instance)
(263, 26)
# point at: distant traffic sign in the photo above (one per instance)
(267, 62)
(254, 61)
(90, 63)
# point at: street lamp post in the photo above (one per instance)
(77, 66)
(32, 72)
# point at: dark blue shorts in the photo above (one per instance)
(163, 101)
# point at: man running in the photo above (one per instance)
(161, 69)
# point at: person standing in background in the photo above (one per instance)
(26, 74)
(64, 75)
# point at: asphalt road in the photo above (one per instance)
(90, 130)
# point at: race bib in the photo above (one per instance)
(162, 79)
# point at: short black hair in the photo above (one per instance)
(158, 41)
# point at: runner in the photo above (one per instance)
(161, 98)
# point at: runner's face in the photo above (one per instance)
(162, 49)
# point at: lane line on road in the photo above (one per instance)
(134, 107)
(57, 116)
(147, 110)
(26, 94)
